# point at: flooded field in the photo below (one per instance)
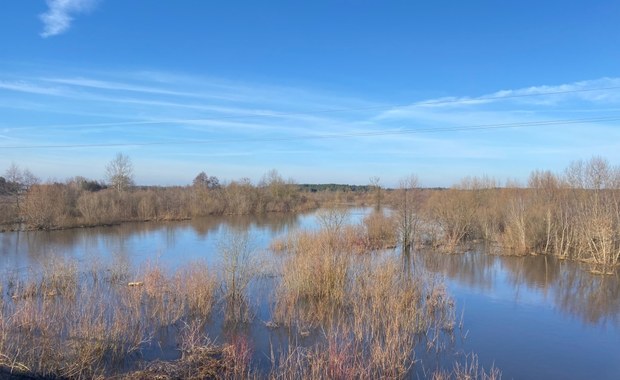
(531, 317)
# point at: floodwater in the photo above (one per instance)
(532, 317)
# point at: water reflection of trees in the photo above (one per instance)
(538, 272)
(594, 299)
(275, 223)
(34, 247)
(471, 269)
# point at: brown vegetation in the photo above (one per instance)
(573, 215)
(371, 312)
(57, 205)
(80, 324)
(365, 311)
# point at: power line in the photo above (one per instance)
(403, 131)
(332, 110)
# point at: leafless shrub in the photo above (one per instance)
(370, 331)
(408, 212)
(197, 285)
(453, 211)
(380, 231)
(239, 267)
(48, 206)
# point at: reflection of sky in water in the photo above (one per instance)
(168, 243)
(534, 317)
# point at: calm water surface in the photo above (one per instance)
(533, 317)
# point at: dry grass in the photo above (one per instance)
(370, 312)
(83, 324)
(201, 359)
(314, 275)
(468, 369)
(380, 231)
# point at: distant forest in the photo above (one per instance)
(313, 188)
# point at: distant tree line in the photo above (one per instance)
(573, 215)
(79, 201)
(313, 188)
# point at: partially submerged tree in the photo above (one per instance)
(239, 268)
(119, 172)
(408, 210)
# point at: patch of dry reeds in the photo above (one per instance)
(380, 231)
(315, 276)
(63, 322)
(371, 312)
(468, 369)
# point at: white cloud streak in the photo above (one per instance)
(603, 91)
(20, 86)
(226, 121)
(59, 15)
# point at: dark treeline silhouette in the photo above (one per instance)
(333, 187)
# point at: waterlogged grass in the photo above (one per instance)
(349, 309)
(369, 312)
(81, 324)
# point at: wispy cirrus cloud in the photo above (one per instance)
(596, 92)
(59, 15)
(238, 129)
(27, 87)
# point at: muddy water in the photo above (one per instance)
(533, 317)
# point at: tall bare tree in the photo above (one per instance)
(119, 172)
(375, 184)
(408, 211)
(17, 182)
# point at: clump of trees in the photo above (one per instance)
(80, 201)
(203, 181)
(13, 185)
(571, 215)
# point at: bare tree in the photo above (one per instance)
(239, 268)
(29, 179)
(376, 185)
(408, 211)
(18, 181)
(119, 172)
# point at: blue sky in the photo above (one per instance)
(322, 91)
